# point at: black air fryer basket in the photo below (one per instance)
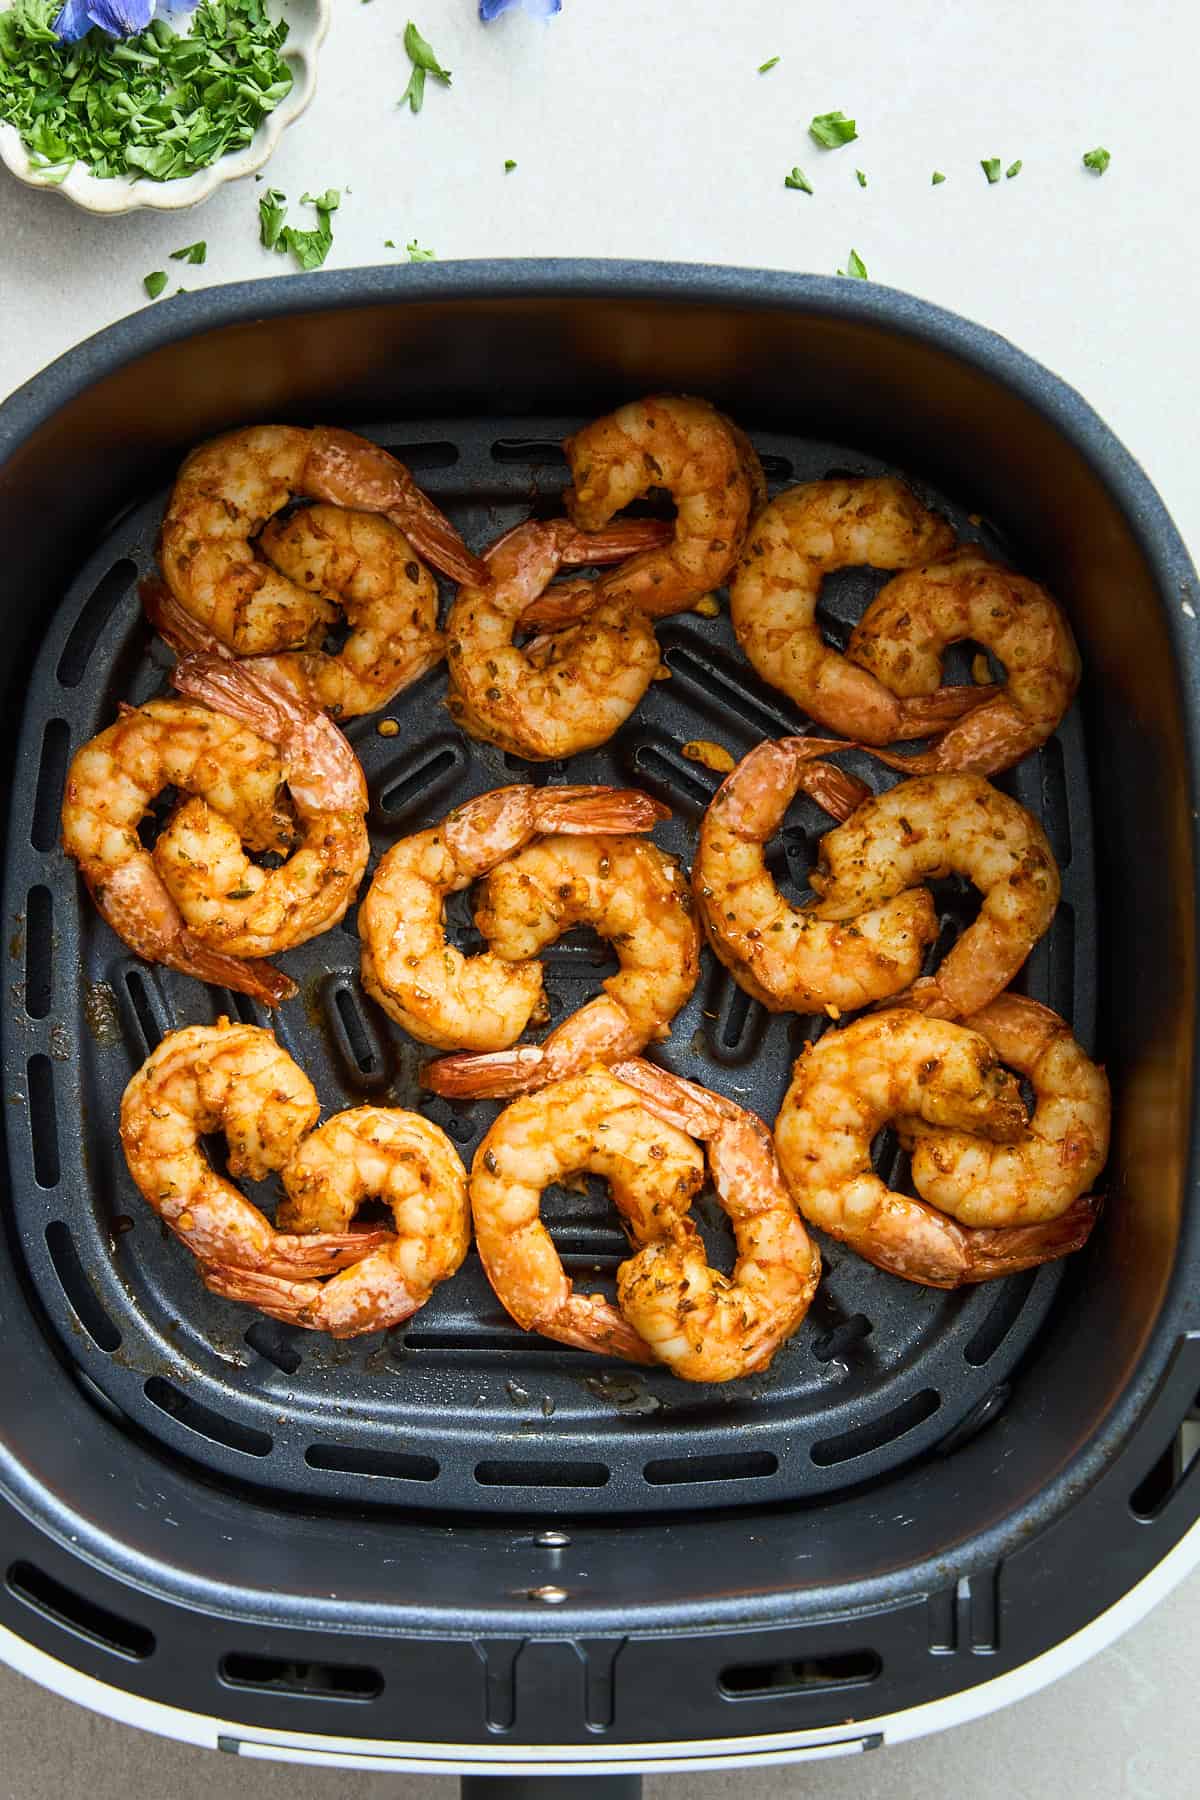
(453, 1546)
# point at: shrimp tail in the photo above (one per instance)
(293, 1256)
(835, 790)
(924, 715)
(348, 470)
(242, 975)
(174, 624)
(598, 811)
(567, 604)
(495, 1075)
(589, 1323)
(1007, 1249)
(673, 1099)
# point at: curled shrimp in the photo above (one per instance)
(588, 1124)
(566, 690)
(236, 1080)
(936, 825)
(906, 1066)
(111, 785)
(707, 465)
(631, 893)
(1055, 1162)
(370, 1152)
(788, 956)
(442, 997)
(704, 1325)
(228, 901)
(795, 542)
(229, 489)
(903, 634)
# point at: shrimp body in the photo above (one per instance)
(564, 691)
(906, 1066)
(442, 997)
(229, 489)
(592, 1124)
(799, 539)
(111, 785)
(903, 634)
(790, 957)
(706, 464)
(631, 893)
(704, 1325)
(229, 902)
(936, 825)
(370, 1152)
(1062, 1151)
(236, 1080)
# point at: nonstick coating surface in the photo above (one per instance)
(460, 1409)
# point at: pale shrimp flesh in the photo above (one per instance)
(631, 893)
(788, 956)
(236, 1080)
(1055, 1163)
(588, 1124)
(111, 786)
(712, 473)
(440, 996)
(906, 1066)
(565, 690)
(937, 825)
(227, 492)
(228, 901)
(902, 637)
(368, 1153)
(703, 1325)
(803, 536)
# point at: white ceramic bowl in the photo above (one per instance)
(308, 21)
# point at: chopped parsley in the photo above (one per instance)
(155, 283)
(416, 254)
(798, 179)
(765, 68)
(860, 178)
(833, 128)
(938, 178)
(424, 62)
(191, 253)
(310, 248)
(509, 165)
(1013, 169)
(856, 267)
(157, 105)
(1098, 160)
(991, 168)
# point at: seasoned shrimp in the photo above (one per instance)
(1043, 1174)
(902, 636)
(236, 1080)
(111, 785)
(708, 466)
(704, 1325)
(905, 1066)
(442, 997)
(564, 691)
(229, 488)
(939, 825)
(230, 903)
(589, 1124)
(371, 1152)
(631, 893)
(799, 539)
(785, 955)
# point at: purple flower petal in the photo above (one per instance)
(121, 18)
(73, 22)
(542, 9)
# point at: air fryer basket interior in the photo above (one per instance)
(1112, 1370)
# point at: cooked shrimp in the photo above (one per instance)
(236, 1080)
(631, 893)
(367, 566)
(589, 1124)
(565, 691)
(442, 997)
(939, 825)
(111, 785)
(799, 539)
(902, 636)
(371, 1152)
(906, 1066)
(230, 903)
(704, 1325)
(785, 955)
(229, 488)
(1043, 1174)
(707, 465)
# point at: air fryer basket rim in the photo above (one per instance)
(1161, 1365)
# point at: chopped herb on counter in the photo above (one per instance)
(860, 178)
(1013, 169)
(416, 254)
(833, 128)
(1097, 160)
(938, 178)
(155, 283)
(765, 68)
(191, 253)
(310, 248)
(798, 179)
(509, 165)
(856, 267)
(389, 243)
(991, 168)
(424, 62)
(272, 211)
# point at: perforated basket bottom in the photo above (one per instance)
(460, 1409)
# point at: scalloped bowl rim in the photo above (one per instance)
(116, 194)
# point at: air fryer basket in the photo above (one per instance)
(453, 1536)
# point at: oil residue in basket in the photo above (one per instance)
(628, 1393)
(100, 1013)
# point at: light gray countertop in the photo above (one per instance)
(645, 131)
